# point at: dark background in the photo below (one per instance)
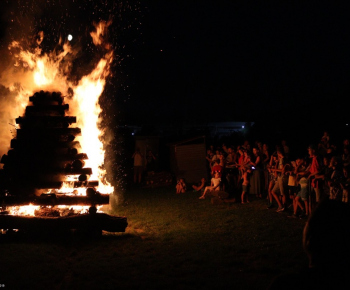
(200, 61)
(230, 60)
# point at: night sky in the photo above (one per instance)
(217, 60)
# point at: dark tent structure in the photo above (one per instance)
(187, 159)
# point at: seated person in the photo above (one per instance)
(181, 186)
(214, 187)
(200, 186)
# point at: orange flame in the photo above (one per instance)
(37, 71)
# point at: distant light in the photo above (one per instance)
(70, 37)
(347, 124)
(243, 127)
(132, 134)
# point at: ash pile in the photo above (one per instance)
(43, 156)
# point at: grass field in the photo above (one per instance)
(172, 242)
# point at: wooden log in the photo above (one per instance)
(46, 98)
(45, 120)
(46, 110)
(53, 144)
(55, 199)
(97, 221)
(43, 133)
(77, 184)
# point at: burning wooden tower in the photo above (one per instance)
(44, 157)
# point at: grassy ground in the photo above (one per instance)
(172, 242)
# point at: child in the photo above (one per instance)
(181, 186)
(245, 185)
(214, 186)
(201, 186)
(303, 195)
(301, 200)
(272, 178)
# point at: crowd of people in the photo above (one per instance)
(286, 181)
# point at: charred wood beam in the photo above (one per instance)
(47, 109)
(43, 97)
(52, 145)
(45, 120)
(100, 221)
(43, 133)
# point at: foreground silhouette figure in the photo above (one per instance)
(326, 240)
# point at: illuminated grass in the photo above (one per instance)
(172, 242)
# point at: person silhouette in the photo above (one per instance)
(326, 240)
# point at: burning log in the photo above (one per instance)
(97, 221)
(54, 145)
(46, 121)
(47, 110)
(52, 199)
(43, 155)
(44, 133)
(40, 98)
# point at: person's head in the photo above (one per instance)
(280, 154)
(216, 174)
(256, 150)
(326, 236)
(311, 150)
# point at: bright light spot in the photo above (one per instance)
(243, 127)
(347, 124)
(70, 37)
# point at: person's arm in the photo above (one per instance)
(267, 157)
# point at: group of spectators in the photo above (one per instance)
(284, 179)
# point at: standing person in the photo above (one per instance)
(256, 179)
(285, 149)
(209, 158)
(245, 185)
(315, 170)
(265, 160)
(345, 157)
(150, 161)
(281, 183)
(138, 165)
(302, 198)
(345, 185)
(272, 178)
(216, 167)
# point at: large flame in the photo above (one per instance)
(37, 71)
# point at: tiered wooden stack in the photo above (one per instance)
(42, 155)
